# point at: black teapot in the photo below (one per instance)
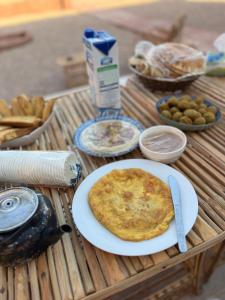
(28, 225)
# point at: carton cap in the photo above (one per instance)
(89, 33)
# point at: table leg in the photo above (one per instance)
(205, 264)
(199, 277)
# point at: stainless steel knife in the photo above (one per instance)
(175, 192)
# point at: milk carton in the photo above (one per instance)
(101, 54)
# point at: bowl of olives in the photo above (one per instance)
(188, 113)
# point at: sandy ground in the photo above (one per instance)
(32, 68)
(214, 289)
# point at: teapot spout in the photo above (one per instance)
(65, 228)
(55, 234)
(59, 231)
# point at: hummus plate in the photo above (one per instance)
(108, 136)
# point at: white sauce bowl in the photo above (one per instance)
(168, 157)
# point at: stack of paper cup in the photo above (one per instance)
(57, 168)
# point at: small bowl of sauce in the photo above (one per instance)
(162, 143)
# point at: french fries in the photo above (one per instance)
(23, 116)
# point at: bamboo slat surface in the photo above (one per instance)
(73, 268)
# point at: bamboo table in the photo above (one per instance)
(73, 268)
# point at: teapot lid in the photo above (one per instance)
(17, 206)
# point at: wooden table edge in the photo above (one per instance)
(126, 283)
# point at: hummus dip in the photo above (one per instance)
(110, 136)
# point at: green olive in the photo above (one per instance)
(193, 105)
(164, 106)
(166, 114)
(202, 110)
(176, 117)
(199, 99)
(185, 120)
(209, 117)
(212, 109)
(192, 114)
(203, 105)
(199, 121)
(185, 97)
(174, 109)
(172, 101)
(183, 104)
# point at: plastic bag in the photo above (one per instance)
(175, 60)
(219, 43)
(168, 60)
(216, 59)
(142, 48)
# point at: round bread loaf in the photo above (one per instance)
(176, 59)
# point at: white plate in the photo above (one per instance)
(100, 237)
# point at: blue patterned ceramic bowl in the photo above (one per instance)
(187, 127)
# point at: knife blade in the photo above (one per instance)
(175, 192)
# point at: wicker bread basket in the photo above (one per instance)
(164, 84)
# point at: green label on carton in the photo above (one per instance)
(107, 68)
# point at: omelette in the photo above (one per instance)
(132, 204)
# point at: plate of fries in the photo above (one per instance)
(22, 121)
